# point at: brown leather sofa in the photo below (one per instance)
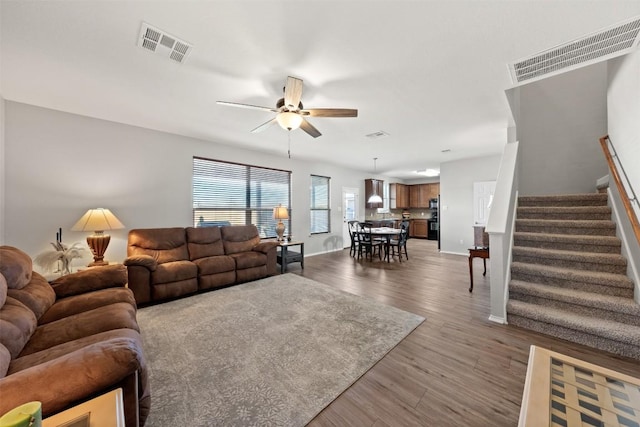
(165, 263)
(69, 341)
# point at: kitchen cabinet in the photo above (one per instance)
(373, 186)
(420, 194)
(398, 196)
(419, 228)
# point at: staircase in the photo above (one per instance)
(568, 278)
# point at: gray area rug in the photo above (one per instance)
(266, 353)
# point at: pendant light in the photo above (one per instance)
(374, 198)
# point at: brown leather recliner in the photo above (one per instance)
(165, 263)
(68, 341)
(158, 264)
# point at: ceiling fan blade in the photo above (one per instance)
(309, 128)
(330, 112)
(264, 126)
(249, 106)
(292, 93)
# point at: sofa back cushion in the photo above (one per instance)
(38, 295)
(16, 267)
(17, 324)
(204, 242)
(239, 238)
(163, 244)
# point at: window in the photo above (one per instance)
(320, 212)
(237, 194)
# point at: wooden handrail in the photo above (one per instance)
(623, 192)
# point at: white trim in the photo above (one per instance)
(498, 319)
(454, 253)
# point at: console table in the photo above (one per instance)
(477, 252)
(286, 257)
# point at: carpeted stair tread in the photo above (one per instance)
(557, 226)
(565, 212)
(587, 199)
(594, 277)
(612, 263)
(615, 331)
(604, 244)
(586, 299)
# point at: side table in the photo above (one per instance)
(286, 257)
(477, 252)
(106, 410)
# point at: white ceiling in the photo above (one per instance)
(432, 74)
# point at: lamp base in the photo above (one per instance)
(280, 231)
(98, 244)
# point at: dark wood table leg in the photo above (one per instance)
(283, 253)
(484, 261)
(471, 272)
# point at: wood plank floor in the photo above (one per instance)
(457, 368)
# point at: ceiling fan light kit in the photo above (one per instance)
(291, 113)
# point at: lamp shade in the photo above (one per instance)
(98, 219)
(288, 120)
(280, 213)
(374, 199)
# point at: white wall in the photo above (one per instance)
(456, 200)
(2, 171)
(58, 165)
(559, 122)
(623, 105)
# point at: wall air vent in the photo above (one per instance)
(158, 41)
(605, 44)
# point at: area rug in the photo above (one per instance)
(273, 352)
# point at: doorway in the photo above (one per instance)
(350, 197)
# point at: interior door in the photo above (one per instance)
(350, 197)
(482, 197)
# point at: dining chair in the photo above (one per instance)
(353, 227)
(400, 243)
(366, 242)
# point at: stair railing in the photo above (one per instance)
(628, 196)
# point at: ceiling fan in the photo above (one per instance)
(290, 112)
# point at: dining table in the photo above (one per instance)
(387, 233)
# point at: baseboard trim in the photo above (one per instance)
(498, 319)
(454, 253)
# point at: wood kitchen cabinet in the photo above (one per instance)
(371, 185)
(398, 196)
(419, 228)
(420, 194)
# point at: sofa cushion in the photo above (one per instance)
(38, 295)
(239, 238)
(174, 272)
(112, 316)
(17, 325)
(163, 244)
(204, 242)
(16, 267)
(84, 302)
(89, 280)
(3, 290)
(215, 264)
(5, 360)
(249, 260)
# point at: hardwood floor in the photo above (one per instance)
(457, 368)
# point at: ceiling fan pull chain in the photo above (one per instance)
(289, 147)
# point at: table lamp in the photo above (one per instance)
(98, 220)
(280, 213)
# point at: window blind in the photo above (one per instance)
(238, 194)
(320, 210)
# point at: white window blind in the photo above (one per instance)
(237, 194)
(320, 211)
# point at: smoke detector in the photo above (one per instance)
(613, 41)
(158, 41)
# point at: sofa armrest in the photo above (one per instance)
(91, 279)
(142, 261)
(75, 377)
(265, 247)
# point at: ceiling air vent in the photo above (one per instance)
(158, 41)
(605, 44)
(376, 135)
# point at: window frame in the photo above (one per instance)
(313, 209)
